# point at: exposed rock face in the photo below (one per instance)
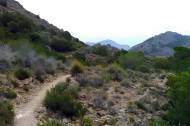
(163, 44)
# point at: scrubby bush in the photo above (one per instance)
(77, 68)
(100, 50)
(158, 123)
(66, 35)
(40, 74)
(15, 22)
(61, 99)
(80, 56)
(51, 65)
(35, 37)
(144, 69)
(52, 123)
(87, 121)
(62, 45)
(22, 74)
(161, 63)
(125, 83)
(98, 102)
(181, 59)
(96, 81)
(131, 60)
(82, 79)
(13, 27)
(6, 112)
(141, 105)
(115, 73)
(8, 93)
(179, 88)
(89, 80)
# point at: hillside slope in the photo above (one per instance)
(162, 44)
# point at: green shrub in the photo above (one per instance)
(15, 22)
(158, 123)
(144, 68)
(181, 59)
(141, 105)
(61, 99)
(131, 60)
(35, 37)
(22, 74)
(66, 35)
(62, 45)
(115, 73)
(52, 123)
(6, 113)
(8, 93)
(77, 68)
(161, 63)
(40, 75)
(179, 88)
(100, 50)
(87, 121)
(125, 83)
(13, 27)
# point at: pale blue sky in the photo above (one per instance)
(125, 21)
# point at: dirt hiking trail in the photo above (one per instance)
(25, 113)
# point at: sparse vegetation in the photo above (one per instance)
(6, 112)
(61, 99)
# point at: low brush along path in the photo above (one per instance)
(25, 113)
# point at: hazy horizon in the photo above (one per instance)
(124, 21)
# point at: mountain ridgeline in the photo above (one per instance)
(111, 43)
(162, 44)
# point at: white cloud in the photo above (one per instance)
(128, 21)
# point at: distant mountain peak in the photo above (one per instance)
(111, 43)
(162, 44)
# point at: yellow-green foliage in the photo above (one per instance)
(77, 67)
(87, 121)
(52, 123)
